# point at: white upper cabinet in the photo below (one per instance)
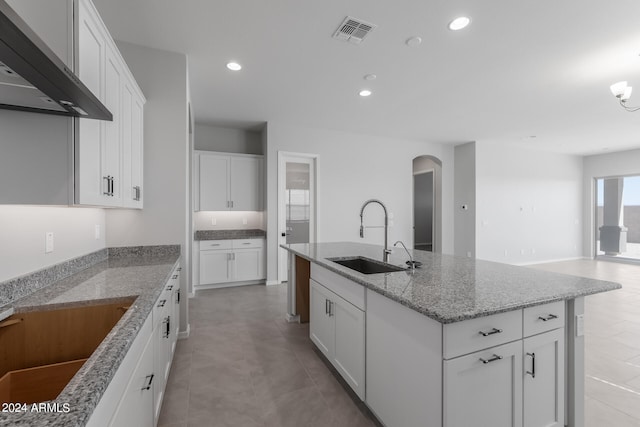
(108, 164)
(228, 182)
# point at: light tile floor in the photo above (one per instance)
(245, 366)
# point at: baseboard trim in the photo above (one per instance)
(185, 334)
(227, 285)
(292, 318)
(273, 282)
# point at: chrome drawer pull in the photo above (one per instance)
(161, 303)
(175, 276)
(169, 288)
(549, 317)
(533, 365)
(493, 359)
(491, 332)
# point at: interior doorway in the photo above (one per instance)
(296, 203)
(423, 196)
(427, 203)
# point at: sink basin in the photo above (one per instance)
(366, 265)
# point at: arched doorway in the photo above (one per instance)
(427, 203)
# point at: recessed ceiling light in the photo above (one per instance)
(365, 92)
(370, 77)
(459, 23)
(413, 41)
(234, 66)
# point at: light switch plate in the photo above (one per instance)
(97, 232)
(48, 245)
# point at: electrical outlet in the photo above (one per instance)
(214, 221)
(580, 325)
(96, 233)
(244, 221)
(48, 245)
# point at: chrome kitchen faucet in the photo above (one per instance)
(386, 251)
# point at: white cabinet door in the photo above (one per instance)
(321, 325)
(126, 131)
(348, 355)
(484, 388)
(91, 181)
(215, 266)
(247, 264)
(111, 146)
(245, 184)
(544, 379)
(136, 405)
(137, 151)
(214, 182)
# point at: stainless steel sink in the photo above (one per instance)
(365, 265)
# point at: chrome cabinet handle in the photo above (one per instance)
(228, 204)
(178, 296)
(175, 276)
(493, 359)
(150, 381)
(167, 323)
(533, 365)
(136, 193)
(326, 306)
(331, 309)
(108, 178)
(246, 243)
(232, 203)
(549, 317)
(169, 288)
(179, 269)
(491, 332)
(161, 303)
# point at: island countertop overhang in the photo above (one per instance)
(450, 289)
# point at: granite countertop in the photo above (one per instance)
(123, 274)
(229, 234)
(449, 289)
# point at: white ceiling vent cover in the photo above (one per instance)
(353, 30)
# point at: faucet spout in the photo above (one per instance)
(386, 251)
(411, 262)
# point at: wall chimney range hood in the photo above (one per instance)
(33, 78)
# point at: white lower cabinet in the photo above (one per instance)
(504, 370)
(484, 388)
(544, 379)
(135, 394)
(136, 406)
(337, 329)
(231, 261)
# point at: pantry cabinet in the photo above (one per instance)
(228, 182)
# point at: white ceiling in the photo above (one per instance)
(522, 68)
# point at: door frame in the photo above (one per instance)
(312, 160)
(432, 171)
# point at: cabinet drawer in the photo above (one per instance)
(476, 334)
(343, 287)
(215, 244)
(247, 243)
(543, 318)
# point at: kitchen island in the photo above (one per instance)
(457, 342)
(134, 279)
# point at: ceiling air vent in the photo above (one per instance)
(353, 30)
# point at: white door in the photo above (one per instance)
(214, 182)
(484, 388)
(321, 324)
(348, 355)
(297, 180)
(245, 184)
(215, 267)
(544, 380)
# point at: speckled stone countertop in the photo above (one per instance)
(449, 288)
(140, 272)
(229, 234)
